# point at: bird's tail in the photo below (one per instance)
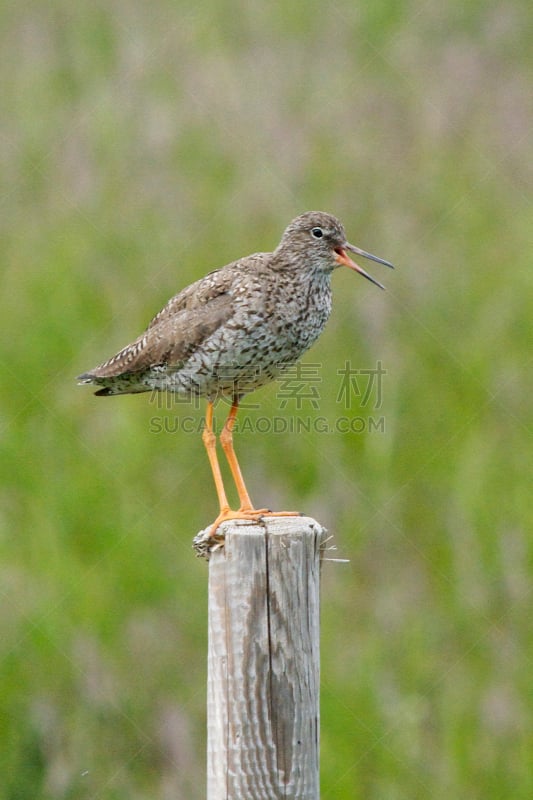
(85, 377)
(111, 386)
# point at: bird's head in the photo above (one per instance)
(319, 238)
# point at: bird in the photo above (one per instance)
(235, 330)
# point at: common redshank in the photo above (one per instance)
(235, 330)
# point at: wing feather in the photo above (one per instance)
(182, 325)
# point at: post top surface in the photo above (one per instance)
(205, 543)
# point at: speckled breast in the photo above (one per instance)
(263, 336)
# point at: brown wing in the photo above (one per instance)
(208, 288)
(181, 326)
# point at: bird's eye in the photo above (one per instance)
(318, 233)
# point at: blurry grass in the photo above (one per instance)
(141, 147)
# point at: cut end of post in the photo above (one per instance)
(205, 543)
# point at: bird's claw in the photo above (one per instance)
(209, 540)
(251, 514)
(227, 514)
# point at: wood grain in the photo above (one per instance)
(263, 661)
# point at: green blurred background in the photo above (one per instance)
(144, 144)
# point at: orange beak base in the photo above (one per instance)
(344, 259)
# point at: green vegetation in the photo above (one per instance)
(144, 144)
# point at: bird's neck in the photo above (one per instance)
(306, 267)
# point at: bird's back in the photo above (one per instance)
(235, 329)
(187, 328)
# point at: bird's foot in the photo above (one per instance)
(252, 514)
(206, 542)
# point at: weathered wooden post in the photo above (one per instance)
(263, 660)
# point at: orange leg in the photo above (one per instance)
(246, 509)
(226, 440)
(225, 512)
(210, 442)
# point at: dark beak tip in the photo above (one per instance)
(370, 256)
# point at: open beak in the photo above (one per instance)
(341, 257)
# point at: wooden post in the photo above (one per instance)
(263, 660)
